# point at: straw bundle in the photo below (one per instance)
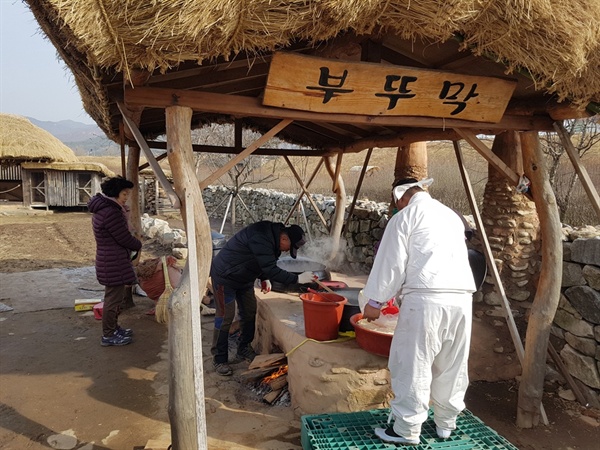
(78, 166)
(22, 141)
(555, 41)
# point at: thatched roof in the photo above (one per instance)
(20, 140)
(70, 167)
(555, 42)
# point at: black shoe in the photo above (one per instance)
(223, 369)
(115, 340)
(246, 354)
(127, 332)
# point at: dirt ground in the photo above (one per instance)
(60, 389)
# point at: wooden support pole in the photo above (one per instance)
(547, 294)
(248, 151)
(135, 217)
(338, 169)
(312, 202)
(299, 199)
(510, 320)
(358, 186)
(586, 181)
(340, 207)
(122, 145)
(160, 175)
(186, 388)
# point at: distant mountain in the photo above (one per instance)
(82, 138)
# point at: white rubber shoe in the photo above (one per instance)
(443, 433)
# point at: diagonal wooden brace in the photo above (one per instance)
(151, 159)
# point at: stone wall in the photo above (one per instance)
(363, 231)
(576, 329)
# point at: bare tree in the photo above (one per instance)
(245, 173)
(584, 133)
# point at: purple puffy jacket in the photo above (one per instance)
(114, 242)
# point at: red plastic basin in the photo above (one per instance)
(371, 341)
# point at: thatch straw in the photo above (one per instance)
(555, 41)
(20, 140)
(71, 167)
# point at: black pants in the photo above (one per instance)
(225, 301)
(113, 296)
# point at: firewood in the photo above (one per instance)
(272, 396)
(254, 375)
(272, 360)
(278, 383)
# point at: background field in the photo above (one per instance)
(443, 168)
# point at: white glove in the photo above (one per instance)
(306, 277)
(265, 286)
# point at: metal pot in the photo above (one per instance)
(350, 308)
(297, 266)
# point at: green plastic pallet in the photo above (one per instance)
(354, 431)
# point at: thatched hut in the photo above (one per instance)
(425, 70)
(36, 169)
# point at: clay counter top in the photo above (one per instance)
(323, 377)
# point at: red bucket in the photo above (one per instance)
(322, 315)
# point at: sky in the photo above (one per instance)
(34, 82)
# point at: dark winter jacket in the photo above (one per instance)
(114, 242)
(250, 254)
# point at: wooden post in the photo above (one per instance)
(340, 206)
(548, 292)
(358, 187)
(135, 217)
(186, 391)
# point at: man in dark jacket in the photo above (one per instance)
(250, 254)
(115, 246)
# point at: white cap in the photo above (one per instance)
(400, 190)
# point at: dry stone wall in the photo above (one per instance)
(576, 329)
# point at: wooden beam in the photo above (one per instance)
(248, 151)
(403, 138)
(586, 181)
(160, 175)
(487, 153)
(240, 106)
(233, 151)
(158, 158)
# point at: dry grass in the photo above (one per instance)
(23, 141)
(443, 168)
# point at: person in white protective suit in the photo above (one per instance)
(423, 261)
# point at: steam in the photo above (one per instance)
(321, 249)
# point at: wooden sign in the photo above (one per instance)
(331, 86)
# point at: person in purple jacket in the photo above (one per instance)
(115, 249)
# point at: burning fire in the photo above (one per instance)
(281, 371)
